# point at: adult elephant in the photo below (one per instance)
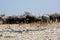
(45, 18)
(1, 18)
(5, 21)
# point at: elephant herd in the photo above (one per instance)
(29, 19)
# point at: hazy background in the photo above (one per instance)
(36, 7)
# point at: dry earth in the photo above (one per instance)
(30, 32)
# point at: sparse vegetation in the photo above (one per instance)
(28, 18)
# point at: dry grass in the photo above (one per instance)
(32, 24)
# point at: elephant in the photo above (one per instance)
(45, 19)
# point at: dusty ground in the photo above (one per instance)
(30, 32)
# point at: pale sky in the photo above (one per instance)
(36, 7)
